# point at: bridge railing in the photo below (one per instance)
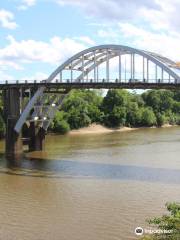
(69, 81)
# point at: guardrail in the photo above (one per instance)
(157, 81)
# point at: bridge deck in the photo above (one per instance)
(92, 85)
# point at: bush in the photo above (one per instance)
(133, 118)
(78, 119)
(148, 117)
(60, 125)
(116, 118)
(167, 222)
(160, 119)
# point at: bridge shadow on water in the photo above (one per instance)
(36, 167)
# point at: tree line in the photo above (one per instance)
(116, 109)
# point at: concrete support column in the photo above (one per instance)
(11, 114)
(37, 137)
(14, 145)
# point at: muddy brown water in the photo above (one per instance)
(91, 186)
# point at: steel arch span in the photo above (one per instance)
(101, 64)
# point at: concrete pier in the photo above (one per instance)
(12, 103)
(36, 138)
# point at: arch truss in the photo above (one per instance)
(101, 64)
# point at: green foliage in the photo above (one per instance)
(79, 107)
(176, 107)
(115, 98)
(134, 115)
(114, 107)
(116, 118)
(78, 118)
(95, 114)
(160, 119)
(159, 100)
(176, 96)
(148, 117)
(59, 124)
(172, 117)
(169, 221)
(118, 108)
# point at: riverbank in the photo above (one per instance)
(97, 128)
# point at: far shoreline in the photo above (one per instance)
(99, 129)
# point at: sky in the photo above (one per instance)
(36, 36)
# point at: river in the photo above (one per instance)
(90, 186)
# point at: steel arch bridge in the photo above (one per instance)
(105, 66)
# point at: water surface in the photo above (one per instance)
(93, 187)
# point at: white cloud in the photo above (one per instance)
(17, 54)
(163, 42)
(108, 33)
(29, 2)
(27, 51)
(4, 76)
(25, 4)
(166, 44)
(156, 14)
(167, 17)
(7, 19)
(37, 76)
(112, 9)
(86, 40)
(5, 65)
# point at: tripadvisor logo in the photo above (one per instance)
(139, 231)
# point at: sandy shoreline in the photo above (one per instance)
(97, 128)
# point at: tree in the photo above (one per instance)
(115, 98)
(176, 95)
(170, 223)
(133, 117)
(78, 118)
(166, 100)
(95, 114)
(82, 107)
(159, 100)
(176, 107)
(148, 117)
(152, 99)
(116, 118)
(60, 125)
(160, 119)
(171, 116)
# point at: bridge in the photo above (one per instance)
(35, 103)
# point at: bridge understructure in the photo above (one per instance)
(30, 106)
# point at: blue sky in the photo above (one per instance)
(38, 35)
